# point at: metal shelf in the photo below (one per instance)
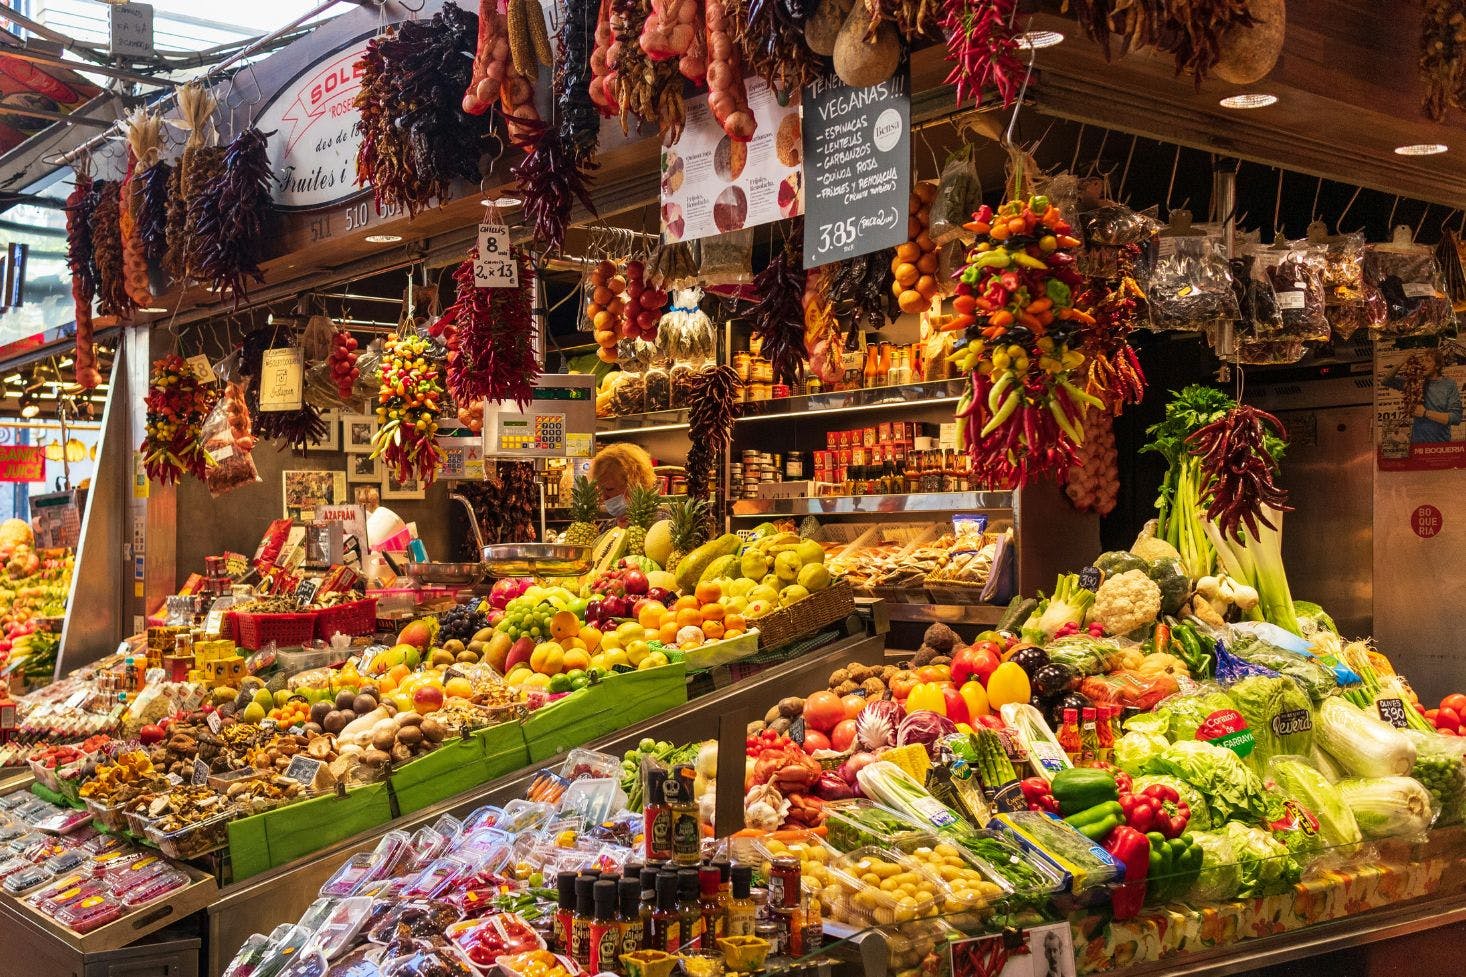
(984, 614)
(869, 505)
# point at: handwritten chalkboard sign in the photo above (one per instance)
(1392, 711)
(303, 769)
(857, 168)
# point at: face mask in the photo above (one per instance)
(616, 506)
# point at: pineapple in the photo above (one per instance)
(641, 509)
(585, 504)
(688, 517)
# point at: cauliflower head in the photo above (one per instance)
(1126, 602)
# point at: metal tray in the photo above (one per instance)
(537, 559)
(446, 574)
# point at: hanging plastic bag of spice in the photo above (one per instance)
(727, 259)
(1295, 272)
(1257, 304)
(1189, 286)
(1351, 301)
(228, 437)
(1410, 280)
(959, 193)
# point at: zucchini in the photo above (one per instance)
(1017, 612)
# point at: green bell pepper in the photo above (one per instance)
(1080, 788)
(1096, 822)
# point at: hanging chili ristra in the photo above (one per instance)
(982, 46)
(79, 205)
(714, 405)
(230, 217)
(1113, 373)
(1234, 451)
(778, 316)
(1021, 417)
(177, 404)
(408, 406)
(490, 334)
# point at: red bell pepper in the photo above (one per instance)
(1131, 849)
(1039, 795)
(956, 705)
(1171, 813)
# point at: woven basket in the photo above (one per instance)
(816, 611)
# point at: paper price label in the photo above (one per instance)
(282, 376)
(200, 773)
(495, 266)
(201, 368)
(214, 722)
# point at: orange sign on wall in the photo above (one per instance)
(22, 463)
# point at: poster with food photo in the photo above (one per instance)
(714, 184)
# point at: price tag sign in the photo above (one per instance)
(201, 773)
(282, 375)
(495, 266)
(131, 30)
(1392, 711)
(857, 168)
(214, 722)
(303, 769)
(201, 368)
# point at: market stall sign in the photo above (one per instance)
(314, 154)
(494, 266)
(282, 376)
(22, 463)
(857, 168)
(712, 184)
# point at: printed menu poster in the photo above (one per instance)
(857, 152)
(714, 185)
(1419, 423)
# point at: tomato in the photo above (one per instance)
(1447, 719)
(822, 711)
(843, 735)
(902, 683)
(1456, 702)
(986, 657)
(815, 740)
(934, 673)
(853, 704)
(1430, 715)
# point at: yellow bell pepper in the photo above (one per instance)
(926, 695)
(976, 698)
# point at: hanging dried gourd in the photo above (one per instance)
(490, 334)
(231, 217)
(408, 407)
(177, 405)
(778, 316)
(114, 304)
(712, 407)
(416, 138)
(296, 429)
(144, 148)
(199, 163)
(79, 206)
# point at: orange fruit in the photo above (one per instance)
(651, 615)
(576, 658)
(564, 625)
(712, 630)
(668, 633)
(713, 612)
(688, 616)
(688, 600)
(708, 592)
(734, 622)
(591, 636)
(386, 684)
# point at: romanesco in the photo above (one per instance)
(1126, 602)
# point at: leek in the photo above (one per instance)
(1257, 561)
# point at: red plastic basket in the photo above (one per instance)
(255, 631)
(352, 618)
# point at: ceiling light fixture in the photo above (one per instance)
(383, 238)
(150, 308)
(1421, 149)
(1250, 100)
(1038, 40)
(503, 203)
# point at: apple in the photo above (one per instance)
(635, 581)
(595, 610)
(659, 594)
(643, 602)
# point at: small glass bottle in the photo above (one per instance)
(658, 817)
(605, 934)
(1069, 735)
(689, 911)
(648, 902)
(585, 907)
(565, 910)
(664, 930)
(742, 910)
(686, 827)
(711, 906)
(628, 917)
(1088, 735)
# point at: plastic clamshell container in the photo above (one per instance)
(251, 953)
(109, 816)
(437, 877)
(304, 659)
(515, 963)
(87, 914)
(14, 864)
(317, 913)
(521, 815)
(847, 830)
(877, 887)
(307, 963)
(1084, 864)
(420, 918)
(26, 880)
(815, 856)
(293, 940)
(391, 853)
(443, 961)
(427, 847)
(103, 844)
(156, 887)
(350, 877)
(483, 941)
(1053, 879)
(972, 884)
(487, 816)
(194, 840)
(339, 932)
(65, 862)
(581, 762)
(64, 822)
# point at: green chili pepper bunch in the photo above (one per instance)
(408, 405)
(177, 405)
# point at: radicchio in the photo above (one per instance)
(875, 725)
(924, 727)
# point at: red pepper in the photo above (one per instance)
(1169, 814)
(1131, 849)
(1038, 795)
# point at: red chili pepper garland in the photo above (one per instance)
(1233, 451)
(408, 406)
(79, 206)
(1021, 417)
(177, 405)
(982, 45)
(1113, 373)
(490, 333)
(552, 176)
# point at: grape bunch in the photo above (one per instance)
(462, 621)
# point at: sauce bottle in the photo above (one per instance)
(628, 918)
(585, 907)
(658, 817)
(686, 830)
(1088, 735)
(688, 909)
(605, 934)
(742, 910)
(565, 911)
(664, 928)
(711, 906)
(1069, 734)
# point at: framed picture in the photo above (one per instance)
(393, 489)
(363, 468)
(306, 491)
(357, 431)
(331, 441)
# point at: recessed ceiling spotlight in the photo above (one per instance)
(152, 308)
(1037, 40)
(383, 238)
(503, 203)
(1249, 100)
(1421, 149)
